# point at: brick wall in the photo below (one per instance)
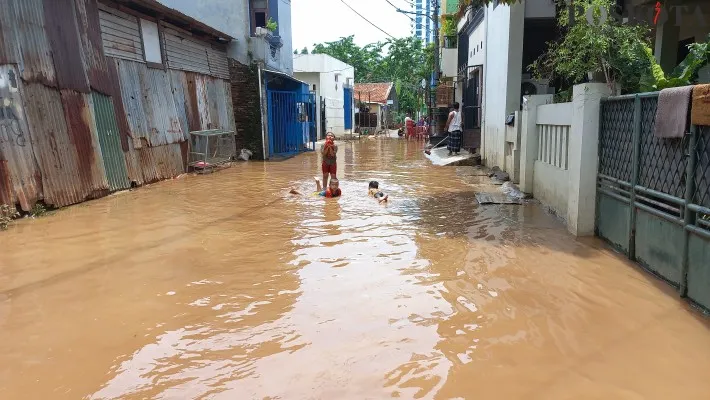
(247, 110)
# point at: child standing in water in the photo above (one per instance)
(330, 160)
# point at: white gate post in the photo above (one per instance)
(583, 153)
(529, 139)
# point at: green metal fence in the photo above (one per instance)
(653, 194)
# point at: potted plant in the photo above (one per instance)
(271, 25)
(448, 31)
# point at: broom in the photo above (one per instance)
(428, 150)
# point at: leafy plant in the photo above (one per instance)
(271, 25)
(403, 61)
(7, 214)
(683, 75)
(38, 210)
(604, 47)
(448, 26)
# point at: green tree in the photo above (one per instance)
(402, 61)
(304, 50)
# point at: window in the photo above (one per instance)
(151, 42)
(314, 87)
(259, 14)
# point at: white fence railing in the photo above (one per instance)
(558, 156)
(553, 126)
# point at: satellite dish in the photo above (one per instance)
(423, 83)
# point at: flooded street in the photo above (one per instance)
(224, 287)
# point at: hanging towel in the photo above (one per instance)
(672, 112)
(700, 114)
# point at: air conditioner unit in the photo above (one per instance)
(536, 86)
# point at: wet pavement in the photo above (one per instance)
(225, 287)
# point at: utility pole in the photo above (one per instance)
(432, 100)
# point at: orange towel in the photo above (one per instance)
(700, 112)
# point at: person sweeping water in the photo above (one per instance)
(453, 127)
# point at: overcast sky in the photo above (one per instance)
(317, 21)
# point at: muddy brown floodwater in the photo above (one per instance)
(223, 287)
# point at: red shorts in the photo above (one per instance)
(329, 169)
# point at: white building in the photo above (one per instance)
(332, 82)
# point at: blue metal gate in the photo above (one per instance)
(348, 108)
(653, 199)
(291, 117)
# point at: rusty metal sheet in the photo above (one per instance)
(9, 50)
(153, 164)
(160, 109)
(225, 109)
(129, 76)
(20, 180)
(150, 107)
(212, 100)
(62, 30)
(124, 129)
(133, 168)
(162, 162)
(191, 103)
(93, 58)
(203, 104)
(178, 80)
(64, 143)
(35, 55)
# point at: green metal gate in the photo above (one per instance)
(653, 194)
(110, 142)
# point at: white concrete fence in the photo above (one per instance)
(558, 154)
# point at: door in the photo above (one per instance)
(322, 118)
(348, 108)
(291, 117)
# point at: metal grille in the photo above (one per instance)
(702, 168)
(663, 162)
(616, 137)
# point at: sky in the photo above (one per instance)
(318, 21)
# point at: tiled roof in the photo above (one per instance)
(373, 92)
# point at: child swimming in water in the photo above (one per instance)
(374, 191)
(332, 191)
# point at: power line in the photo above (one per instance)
(368, 21)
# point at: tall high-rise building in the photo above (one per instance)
(422, 27)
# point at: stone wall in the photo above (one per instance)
(247, 110)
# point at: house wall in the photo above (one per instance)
(228, 16)
(322, 69)
(476, 45)
(284, 22)
(540, 9)
(232, 18)
(503, 76)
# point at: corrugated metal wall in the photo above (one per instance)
(120, 34)
(110, 142)
(83, 115)
(20, 181)
(184, 52)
